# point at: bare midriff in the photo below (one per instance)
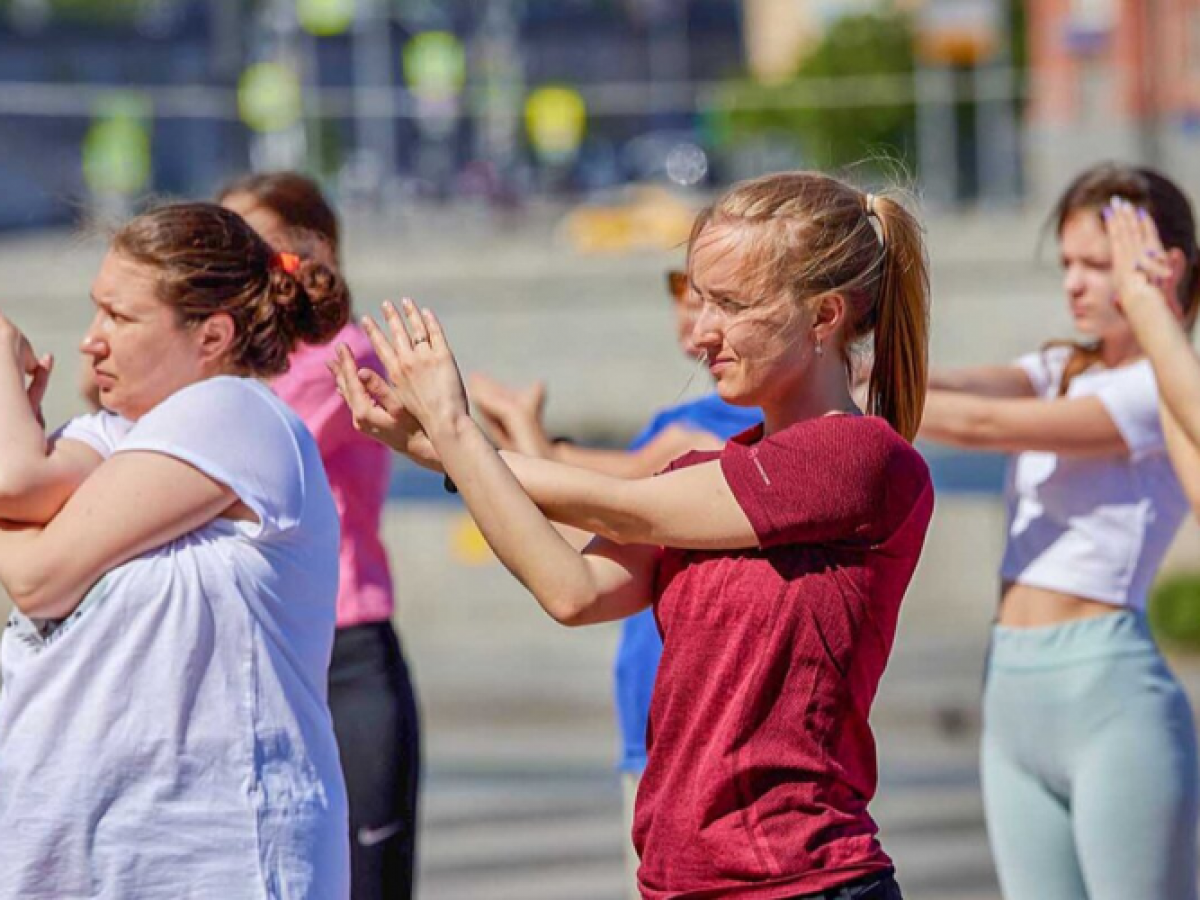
(1025, 606)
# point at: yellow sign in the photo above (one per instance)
(468, 545)
(556, 120)
(325, 18)
(435, 65)
(269, 97)
(116, 148)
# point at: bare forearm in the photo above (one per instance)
(616, 463)
(24, 571)
(22, 440)
(516, 529)
(1185, 458)
(983, 381)
(581, 498)
(1170, 352)
(956, 420)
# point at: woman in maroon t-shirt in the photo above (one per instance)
(776, 567)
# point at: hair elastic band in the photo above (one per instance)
(288, 262)
(869, 205)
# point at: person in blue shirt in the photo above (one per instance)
(514, 418)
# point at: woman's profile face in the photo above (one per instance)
(139, 352)
(1086, 259)
(754, 345)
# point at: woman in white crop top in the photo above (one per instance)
(164, 730)
(1088, 752)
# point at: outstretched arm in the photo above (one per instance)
(133, 502)
(512, 498)
(515, 418)
(983, 381)
(1076, 426)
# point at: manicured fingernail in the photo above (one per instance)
(1142, 214)
(1106, 213)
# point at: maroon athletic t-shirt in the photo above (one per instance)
(761, 758)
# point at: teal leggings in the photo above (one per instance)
(1089, 764)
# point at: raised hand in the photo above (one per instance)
(377, 411)
(513, 417)
(421, 368)
(1141, 268)
(20, 354)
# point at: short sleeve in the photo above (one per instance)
(1044, 368)
(102, 431)
(237, 433)
(844, 480)
(1131, 398)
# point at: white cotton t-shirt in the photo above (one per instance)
(103, 431)
(171, 738)
(1094, 527)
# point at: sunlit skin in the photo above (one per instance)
(761, 351)
(1085, 254)
(139, 352)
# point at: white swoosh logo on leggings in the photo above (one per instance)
(369, 837)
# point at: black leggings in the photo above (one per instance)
(378, 735)
(879, 886)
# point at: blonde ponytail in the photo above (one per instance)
(898, 379)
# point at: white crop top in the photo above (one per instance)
(1094, 527)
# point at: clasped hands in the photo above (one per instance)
(422, 400)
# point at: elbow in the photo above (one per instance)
(36, 594)
(22, 501)
(570, 611)
(15, 484)
(32, 598)
(570, 605)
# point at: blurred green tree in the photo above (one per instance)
(1174, 611)
(850, 99)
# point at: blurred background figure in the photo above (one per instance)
(1077, 695)
(370, 692)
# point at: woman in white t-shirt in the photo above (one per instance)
(1088, 750)
(164, 731)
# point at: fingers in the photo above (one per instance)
(400, 339)
(384, 348)
(380, 392)
(437, 337)
(40, 381)
(1135, 243)
(345, 371)
(417, 327)
(534, 397)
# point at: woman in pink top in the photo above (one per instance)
(370, 694)
(775, 566)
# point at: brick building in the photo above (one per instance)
(1112, 79)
